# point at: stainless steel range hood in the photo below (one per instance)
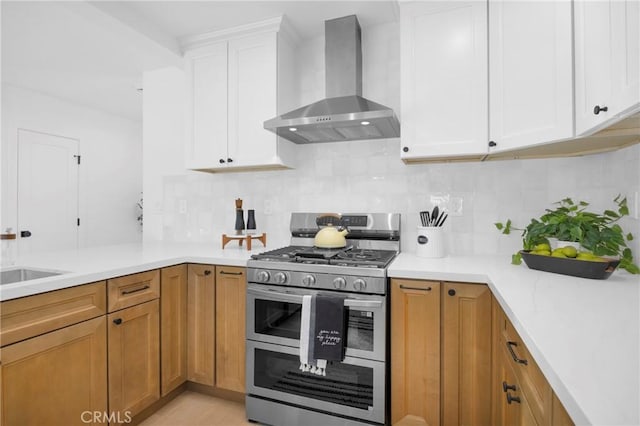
(344, 115)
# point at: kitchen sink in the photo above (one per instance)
(15, 275)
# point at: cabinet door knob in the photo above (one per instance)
(492, 144)
(511, 398)
(405, 149)
(451, 292)
(598, 109)
(207, 272)
(25, 234)
(117, 321)
(229, 160)
(222, 161)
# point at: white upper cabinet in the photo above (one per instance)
(443, 60)
(232, 88)
(607, 62)
(530, 73)
(206, 130)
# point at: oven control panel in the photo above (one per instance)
(318, 280)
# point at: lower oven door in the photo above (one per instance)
(274, 314)
(353, 388)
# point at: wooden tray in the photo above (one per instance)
(248, 238)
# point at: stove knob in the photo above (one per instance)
(263, 276)
(359, 284)
(280, 277)
(339, 283)
(309, 280)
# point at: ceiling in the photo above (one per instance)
(94, 53)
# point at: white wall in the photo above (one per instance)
(369, 176)
(110, 173)
(163, 141)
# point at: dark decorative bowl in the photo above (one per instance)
(597, 270)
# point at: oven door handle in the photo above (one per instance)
(297, 298)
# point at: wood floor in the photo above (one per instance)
(196, 409)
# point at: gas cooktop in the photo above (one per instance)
(347, 256)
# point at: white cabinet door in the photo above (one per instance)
(530, 72)
(252, 99)
(206, 76)
(606, 62)
(625, 44)
(444, 79)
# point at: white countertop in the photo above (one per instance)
(584, 334)
(100, 263)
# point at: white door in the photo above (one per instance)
(252, 99)
(47, 192)
(531, 73)
(206, 71)
(444, 91)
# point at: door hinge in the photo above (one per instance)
(77, 157)
(78, 222)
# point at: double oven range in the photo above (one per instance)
(355, 390)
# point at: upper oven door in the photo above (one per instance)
(274, 313)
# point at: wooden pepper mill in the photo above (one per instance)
(239, 217)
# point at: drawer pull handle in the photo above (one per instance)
(511, 398)
(510, 346)
(117, 321)
(135, 290)
(231, 273)
(404, 287)
(506, 386)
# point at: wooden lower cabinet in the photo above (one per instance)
(415, 351)
(231, 294)
(134, 358)
(173, 328)
(466, 354)
(440, 353)
(201, 324)
(520, 392)
(56, 378)
(216, 326)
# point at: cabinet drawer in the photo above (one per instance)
(34, 315)
(133, 289)
(535, 387)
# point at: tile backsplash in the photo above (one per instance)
(368, 176)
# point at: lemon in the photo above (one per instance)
(542, 247)
(541, 252)
(558, 254)
(585, 256)
(569, 251)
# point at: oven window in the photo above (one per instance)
(360, 331)
(344, 384)
(282, 319)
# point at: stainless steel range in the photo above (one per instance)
(355, 390)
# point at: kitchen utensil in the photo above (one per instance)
(424, 218)
(442, 218)
(434, 215)
(330, 236)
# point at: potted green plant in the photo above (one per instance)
(599, 234)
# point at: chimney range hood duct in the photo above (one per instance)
(344, 115)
